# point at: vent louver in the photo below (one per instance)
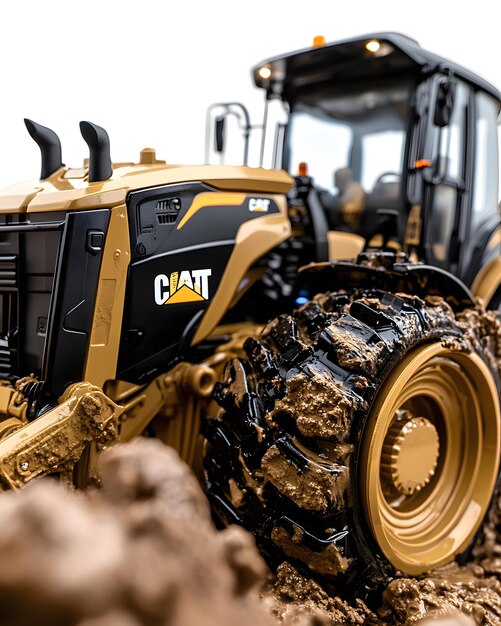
(9, 322)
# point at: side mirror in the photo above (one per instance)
(444, 104)
(216, 126)
(219, 133)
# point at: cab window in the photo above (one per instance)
(485, 184)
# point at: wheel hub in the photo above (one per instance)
(410, 454)
(426, 482)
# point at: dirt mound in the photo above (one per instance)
(140, 551)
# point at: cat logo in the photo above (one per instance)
(259, 205)
(184, 286)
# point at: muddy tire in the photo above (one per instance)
(361, 437)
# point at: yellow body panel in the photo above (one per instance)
(488, 280)
(63, 192)
(102, 355)
(343, 245)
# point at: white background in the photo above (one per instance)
(147, 70)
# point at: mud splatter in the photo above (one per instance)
(483, 330)
(320, 408)
(351, 348)
(479, 329)
(314, 487)
(329, 562)
(236, 494)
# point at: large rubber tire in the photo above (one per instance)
(293, 453)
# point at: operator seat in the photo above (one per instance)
(351, 200)
(385, 195)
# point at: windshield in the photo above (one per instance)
(353, 142)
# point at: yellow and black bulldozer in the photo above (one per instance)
(358, 432)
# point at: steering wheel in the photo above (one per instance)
(381, 177)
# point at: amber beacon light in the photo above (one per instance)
(318, 41)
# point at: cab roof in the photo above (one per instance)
(349, 60)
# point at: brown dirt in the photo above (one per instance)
(351, 348)
(314, 488)
(324, 410)
(328, 562)
(463, 589)
(453, 596)
(143, 551)
(299, 601)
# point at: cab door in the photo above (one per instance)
(447, 192)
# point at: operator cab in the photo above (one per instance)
(398, 141)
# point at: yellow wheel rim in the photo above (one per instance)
(430, 457)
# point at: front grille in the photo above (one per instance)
(28, 250)
(9, 319)
(8, 271)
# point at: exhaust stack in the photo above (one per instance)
(97, 139)
(49, 145)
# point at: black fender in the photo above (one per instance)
(389, 272)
